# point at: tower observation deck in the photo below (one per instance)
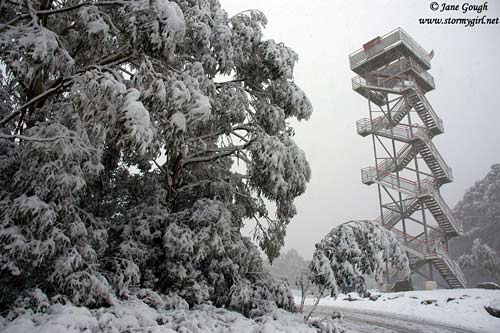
(409, 170)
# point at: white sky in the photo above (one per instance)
(467, 98)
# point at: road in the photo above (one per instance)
(370, 322)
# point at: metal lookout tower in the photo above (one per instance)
(409, 170)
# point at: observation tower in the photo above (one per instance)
(409, 170)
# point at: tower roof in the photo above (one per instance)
(383, 50)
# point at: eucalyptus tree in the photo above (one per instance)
(136, 139)
(351, 252)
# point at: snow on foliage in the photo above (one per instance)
(353, 251)
(291, 99)
(176, 91)
(135, 119)
(157, 25)
(281, 170)
(29, 49)
(93, 21)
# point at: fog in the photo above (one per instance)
(324, 33)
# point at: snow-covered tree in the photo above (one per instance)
(175, 90)
(352, 251)
(479, 212)
(482, 256)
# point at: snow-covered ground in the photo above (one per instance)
(440, 310)
(136, 316)
(455, 307)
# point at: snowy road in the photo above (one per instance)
(371, 322)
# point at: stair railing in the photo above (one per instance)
(456, 270)
(447, 211)
(428, 107)
(424, 137)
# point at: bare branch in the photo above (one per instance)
(115, 59)
(241, 137)
(209, 158)
(242, 156)
(219, 84)
(13, 21)
(162, 170)
(316, 302)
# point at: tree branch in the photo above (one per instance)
(111, 60)
(315, 305)
(209, 158)
(116, 59)
(13, 21)
(30, 138)
(31, 102)
(245, 127)
(80, 5)
(224, 152)
(245, 11)
(44, 13)
(219, 84)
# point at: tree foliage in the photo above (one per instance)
(482, 256)
(479, 212)
(480, 206)
(175, 90)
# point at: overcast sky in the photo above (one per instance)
(467, 98)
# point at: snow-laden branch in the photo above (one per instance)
(219, 84)
(31, 102)
(219, 153)
(43, 13)
(260, 13)
(116, 59)
(80, 5)
(31, 138)
(242, 127)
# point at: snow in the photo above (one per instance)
(170, 25)
(456, 307)
(201, 108)
(495, 304)
(179, 93)
(137, 121)
(179, 121)
(171, 13)
(43, 42)
(94, 22)
(135, 316)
